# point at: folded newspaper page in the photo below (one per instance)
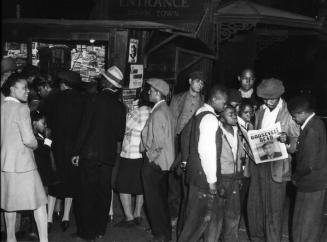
(265, 145)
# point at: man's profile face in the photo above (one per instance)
(196, 85)
(269, 149)
(299, 117)
(219, 102)
(153, 95)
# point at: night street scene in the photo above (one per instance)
(164, 120)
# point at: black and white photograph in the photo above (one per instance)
(163, 121)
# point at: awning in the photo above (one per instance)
(242, 11)
(20, 29)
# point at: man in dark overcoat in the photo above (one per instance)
(102, 128)
(65, 119)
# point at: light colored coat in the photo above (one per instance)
(158, 137)
(281, 169)
(17, 138)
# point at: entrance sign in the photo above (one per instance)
(155, 10)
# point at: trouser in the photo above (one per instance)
(93, 200)
(155, 184)
(244, 192)
(183, 206)
(201, 219)
(229, 212)
(174, 193)
(308, 213)
(265, 205)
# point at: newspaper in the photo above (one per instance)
(265, 145)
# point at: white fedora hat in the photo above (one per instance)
(114, 76)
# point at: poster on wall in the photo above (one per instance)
(136, 76)
(128, 96)
(132, 53)
(265, 145)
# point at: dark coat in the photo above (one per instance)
(43, 161)
(67, 115)
(102, 127)
(47, 107)
(311, 157)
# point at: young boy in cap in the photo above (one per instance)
(268, 180)
(310, 175)
(158, 144)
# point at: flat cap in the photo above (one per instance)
(159, 85)
(198, 75)
(270, 88)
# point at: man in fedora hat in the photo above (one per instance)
(102, 127)
(268, 180)
(158, 144)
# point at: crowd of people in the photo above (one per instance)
(188, 162)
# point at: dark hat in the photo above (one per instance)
(234, 96)
(70, 78)
(270, 88)
(159, 85)
(8, 64)
(114, 76)
(198, 75)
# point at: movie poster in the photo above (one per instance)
(136, 76)
(132, 53)
(265, 145)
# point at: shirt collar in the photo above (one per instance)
(241, 122)
(156, 105)
(11, 99)
(246, 94)
(307, 120)
(227, 133)
(279, 105)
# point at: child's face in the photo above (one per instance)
(229, 116)
(247, 113)
(40, 125)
